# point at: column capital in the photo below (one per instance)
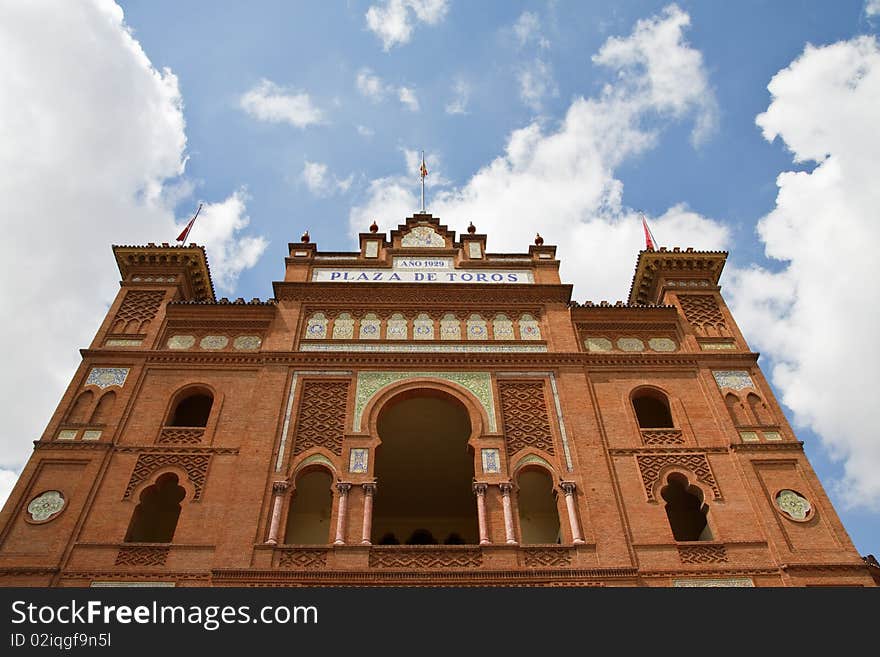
(568, 487)
(278, 487)
(343, 487)
(480, 488)
(506, 487)
(370, 488)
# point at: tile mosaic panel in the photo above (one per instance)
(358, 460)
(423, 327)
(371, 327)
(598, 344)
(92, 434)
(428, 348)
(630, 344)
(247, 342)
(474, 250)
(661, 344)
(104, 377)
(528, 328)
(397, 327)
(476, 328)
(343, 327)
(450, 327)
(424, 237)
(67, 434)
(214, 342)
(733, 379)
(181, 342)
(46, 505)
(502, 327)
(371, 250)
(317, 327)
(491, 460)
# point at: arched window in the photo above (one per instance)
(308, 521)
(736, 410)
(103, 409)
(538, 515)
(81, 407)
(155, 518)
(652, 409)
(685, 510)
(759, 409)
(192, 410)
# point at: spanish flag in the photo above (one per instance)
(185, 231)
(649, 238)
(423, 170)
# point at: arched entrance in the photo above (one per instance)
(424, 470)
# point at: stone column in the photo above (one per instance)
(568, 487)
(480, 492)
(342, 511)
(278, 489)
(369, 491)
(509, 535)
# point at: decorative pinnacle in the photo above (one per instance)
(304, 238)
(374, 227)
(538, 239)
(471, 228)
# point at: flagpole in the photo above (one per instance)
(422, 176)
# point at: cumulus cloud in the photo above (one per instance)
(376, 89)
(93, 149)
(393, 20)
(527, 29)
(813, 314)
(408, 98)
(535, 83)
(364, 131)
(320, 182)
(273, 104)
(872, 8)
(461, 93)
(560, 181)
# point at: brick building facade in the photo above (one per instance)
(420, 412)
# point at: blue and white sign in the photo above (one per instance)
(421, 270)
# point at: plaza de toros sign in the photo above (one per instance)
(421, 270)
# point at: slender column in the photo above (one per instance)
(278, 489)
(369, 491)
(343, 510)
(480, 492)
(568, 487)
(508, 512)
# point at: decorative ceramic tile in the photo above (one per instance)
(532, 458)
(717, 346)
(181, 342)
(772, 435)
(450, 327)
(121, 342)
(397, 328)
(748, 436)
(371, 250)
(793, 504)
(528, 328)
(661, 344)
(316, 329)
(214, 342)
(104, 377)
(423, 236)
(738, 582)
(491, 460)
(316, 458)
(476, 328)
(475, 251)
(424, 347)
(92, 434)
(502, 327)
(300, 254)
(46, 505)
(733, 379)
(423, 327)
(598, 344)
(343, 327)
(247, 342)
(478, 383)
(358, 460)
(67, 434)
(371, 327)
(630, 344)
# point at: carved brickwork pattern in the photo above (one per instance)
(195, 466)
(138, 555)
(662, 437)
(524, 410)
(425, 558)
(702, 311)
(321, 418)
(181, 435)
(302, 559)
(702, 554)
(650, 466)
(138, 308)
(546, 557)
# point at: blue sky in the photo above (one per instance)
(561, 117)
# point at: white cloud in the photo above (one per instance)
(370, 85)
(528, 28)
(872, 8)
(7, 482)
(560, 181)
(535, 83)
(461, 91)
(815, 316)
(273, 104)
(408, 98)
(93, 146)
(364, 131)
(319, 181)
(393, 21)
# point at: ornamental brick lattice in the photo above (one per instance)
(425, 558)
(137, 309)
(524, 409)
(702, 554)
(181, 435)
(140, 555)
(321, 416)
(195, 466)
(304, 559)
(650, 466)
(662, 437)
(703, 313)
(546, 557)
